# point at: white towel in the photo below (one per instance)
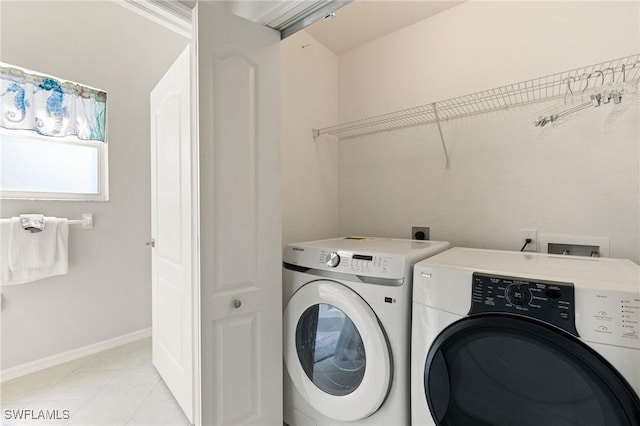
(29, 263)
(32, 250)
(32, 222)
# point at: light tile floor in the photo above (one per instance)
(116, 387)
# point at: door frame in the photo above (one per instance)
(173, 16)
(195, 234)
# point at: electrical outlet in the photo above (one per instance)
(419, 232)
(533, 235)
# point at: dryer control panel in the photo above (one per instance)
(551, 302)
(610, 316)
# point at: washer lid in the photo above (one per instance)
(335, 351)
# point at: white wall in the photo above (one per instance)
(309, 169)
(506, 174)
(107, 292)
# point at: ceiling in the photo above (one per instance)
(355, 23)
(362, 21)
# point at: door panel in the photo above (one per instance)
(240, 220)
(235, 170)
(166, 119)
(168, 325)
(240, 371)
(171, 224)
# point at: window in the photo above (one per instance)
(52, 138)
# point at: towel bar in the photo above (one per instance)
(86, 221)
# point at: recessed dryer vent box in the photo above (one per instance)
(574, 245)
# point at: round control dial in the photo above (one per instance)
(333, 259)
(518, 294)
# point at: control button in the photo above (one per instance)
(629, 332)
(602, 328)
(564, 315)
(518, 294)
(601, 314)
(332, 259)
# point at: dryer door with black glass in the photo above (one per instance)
(336, 351)
(500, 370)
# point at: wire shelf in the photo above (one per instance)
(552, 86)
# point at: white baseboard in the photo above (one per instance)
(53, 360)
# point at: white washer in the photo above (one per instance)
(509, 338)
(347, 330)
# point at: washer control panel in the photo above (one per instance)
(362, 264)
(551, 302)
(374, 265)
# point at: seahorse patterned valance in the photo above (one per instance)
(50, 107)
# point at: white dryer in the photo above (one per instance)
(347, 330)
(509, 338)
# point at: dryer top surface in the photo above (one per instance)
(589, 272)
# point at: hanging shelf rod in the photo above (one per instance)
(522, 93)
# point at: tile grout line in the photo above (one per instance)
(78, 410)
(136, 362)
(94, 395)
(115, 370)
(145, 398)
(88, 400)
(120, 371)
(32, 399)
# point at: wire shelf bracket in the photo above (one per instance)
(444, 146)
(554, 86)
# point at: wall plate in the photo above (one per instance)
(416, 229)
(562, 239)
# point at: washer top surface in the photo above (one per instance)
(590, 272)
(409, 248)
(385, 258)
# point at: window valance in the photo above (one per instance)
(50, 107)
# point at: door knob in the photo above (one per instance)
(237, 303)
(151, 243)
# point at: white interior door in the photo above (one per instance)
(240, 221)
(172, 225)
